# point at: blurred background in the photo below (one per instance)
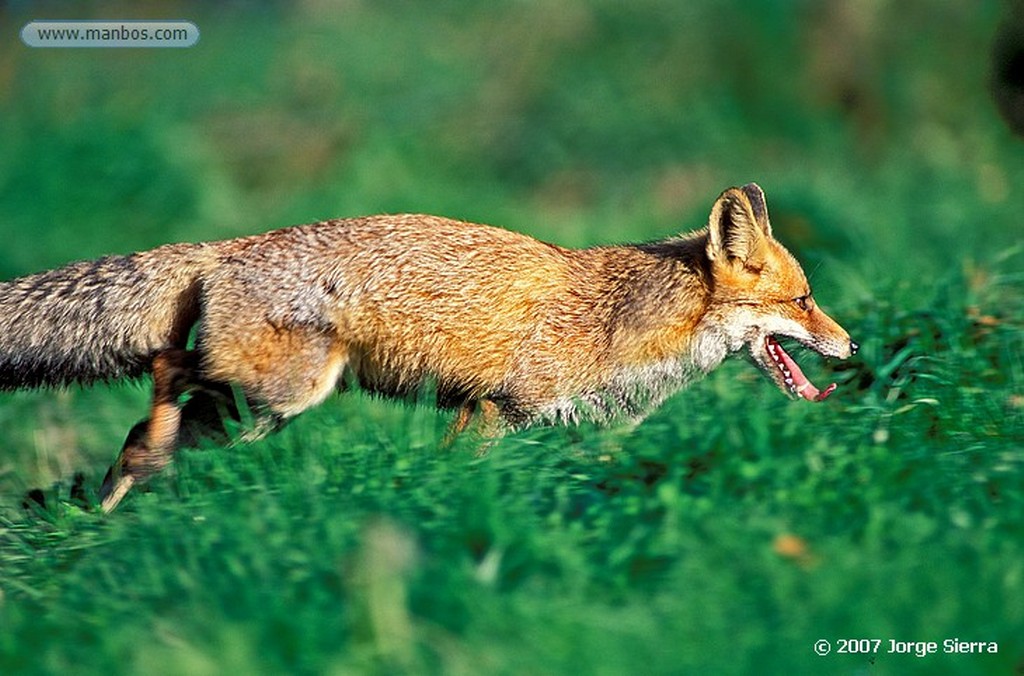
(872, 126)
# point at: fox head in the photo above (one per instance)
(759, 293)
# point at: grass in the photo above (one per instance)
(727, 533)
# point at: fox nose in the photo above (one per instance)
(854, 347)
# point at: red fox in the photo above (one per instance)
(512, 331)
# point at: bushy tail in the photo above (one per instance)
(101, 319)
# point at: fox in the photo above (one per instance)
(512, 332)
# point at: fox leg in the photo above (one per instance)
(151, 443)
(489, 423)
(463, 416)
(204, 419)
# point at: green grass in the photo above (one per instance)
(728, 532)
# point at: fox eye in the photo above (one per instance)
(804, 302)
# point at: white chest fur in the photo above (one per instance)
(633, 391)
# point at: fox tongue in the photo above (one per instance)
(801, 385)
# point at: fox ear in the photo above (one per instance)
(738, 226)
(758, 206)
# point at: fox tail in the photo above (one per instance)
(101, 319)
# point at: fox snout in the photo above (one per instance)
(831, 339)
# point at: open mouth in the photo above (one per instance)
(790, 374)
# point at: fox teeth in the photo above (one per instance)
(786, 373)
